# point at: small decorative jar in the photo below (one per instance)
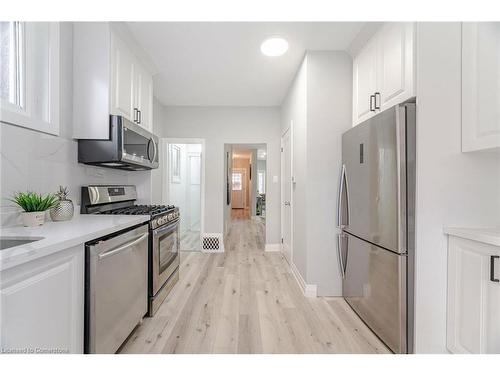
(64, 209)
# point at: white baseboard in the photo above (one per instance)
(309, 290)
(273, 247)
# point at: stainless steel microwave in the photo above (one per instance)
(129, 147)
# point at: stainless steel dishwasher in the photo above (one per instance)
(116, 288)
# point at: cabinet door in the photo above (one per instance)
(473, 325)
(364, 82)
(480, 86)
(145, 98)
(42, 304)
(395, 74)
(122, 84)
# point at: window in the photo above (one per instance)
(261, 182)
(237, 181)
(12, 63)
(29, 75)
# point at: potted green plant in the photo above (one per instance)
(34, 206)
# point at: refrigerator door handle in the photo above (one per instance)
(343, 185)
(339, 250)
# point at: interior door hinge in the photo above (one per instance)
(282, 240)
(281, 149)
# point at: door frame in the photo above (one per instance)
(188, 181)
(166, 172)
(282, 205)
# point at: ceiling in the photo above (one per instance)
(220, 63)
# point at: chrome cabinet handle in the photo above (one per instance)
(119, 249)
(372, 100)
(339, 250)
(135, 115)
(377, 106)
(492, 268)
(139, 118)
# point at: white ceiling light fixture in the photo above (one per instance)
(274, 47)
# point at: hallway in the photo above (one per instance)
(248, 301)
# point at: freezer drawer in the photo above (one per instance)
(375, 287)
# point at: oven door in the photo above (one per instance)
(166, 244)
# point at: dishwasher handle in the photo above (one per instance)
(121, 248)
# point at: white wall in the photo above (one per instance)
(39, 162)
(453, 188)
(226, 125)
(329, 115)
(319, 104)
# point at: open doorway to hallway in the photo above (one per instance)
(246, 183)
(184, 185)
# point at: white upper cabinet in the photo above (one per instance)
(122, 79)
(364, 83)
(143, 98)
(480, 86)
(108, 79)
(384, 71)
(29, 79)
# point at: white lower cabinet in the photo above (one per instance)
(42, 304)
(473, 316)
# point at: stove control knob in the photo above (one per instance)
(170, 217)
(161, 221)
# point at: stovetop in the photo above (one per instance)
(152, 210)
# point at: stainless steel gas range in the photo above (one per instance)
(164, 240)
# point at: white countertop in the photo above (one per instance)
(58, 236)
(489, 236)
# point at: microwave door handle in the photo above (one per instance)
(119, 249)
(155, 150)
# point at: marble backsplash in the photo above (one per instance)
(39, 162)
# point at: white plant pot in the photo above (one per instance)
(33, 219)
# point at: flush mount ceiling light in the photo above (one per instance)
(274, 47)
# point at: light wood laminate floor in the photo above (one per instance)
(247, 301)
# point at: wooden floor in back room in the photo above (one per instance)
(246, 300)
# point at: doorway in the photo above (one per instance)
(183, 180)
(246, 184)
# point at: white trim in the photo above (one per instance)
(289, 129)
(272, 247)
(166, 178)
(309, 290)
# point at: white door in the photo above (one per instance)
(239, 187)
(194, 192)
(473, 322)
(364, 83)
(122, 94)
(395, 64)
(286, 187)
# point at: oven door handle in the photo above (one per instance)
(159, 231)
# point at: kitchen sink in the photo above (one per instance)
(8, 242)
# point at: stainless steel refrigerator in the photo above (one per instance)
(376, 215)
